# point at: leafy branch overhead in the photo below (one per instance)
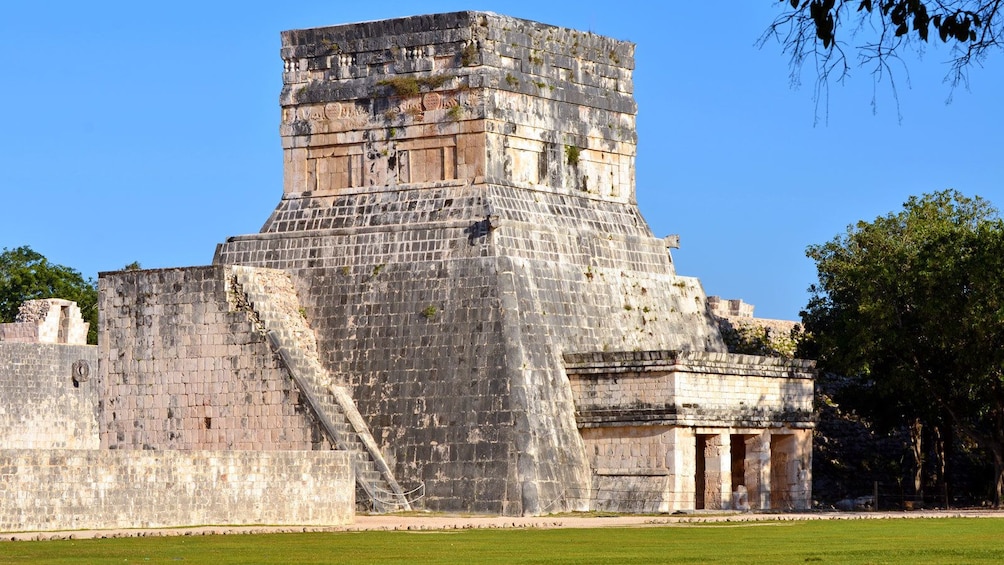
(827, 33)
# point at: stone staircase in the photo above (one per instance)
(269, 298)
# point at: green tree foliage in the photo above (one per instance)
(911, 305)
(25, 275)
(829, 34)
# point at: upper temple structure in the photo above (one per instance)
(457, 288)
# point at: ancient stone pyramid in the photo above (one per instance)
(459, 213)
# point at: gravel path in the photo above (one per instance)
(412, 522)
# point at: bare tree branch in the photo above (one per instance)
(880, 32)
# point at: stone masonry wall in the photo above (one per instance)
(691, 389)
(44, 402)
(100, 489)
(635, 468)
(182, 370)
(454, 97)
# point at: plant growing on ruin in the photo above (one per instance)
(429, 312)
(469, 55)
(572, 155)
(402, 86)
(751, 338)
(411, 86)
(511, 80)
(455, 113)
(331, 46)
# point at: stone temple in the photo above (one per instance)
(456, 289)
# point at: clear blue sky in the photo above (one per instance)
(148, 132)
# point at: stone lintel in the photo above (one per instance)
(632, 472)
(690, 418)
(627, 363)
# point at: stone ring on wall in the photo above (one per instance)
(80, 371)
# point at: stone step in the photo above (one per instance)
(272, 299)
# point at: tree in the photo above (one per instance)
(821, 32)
(26, 274)
(911, 306)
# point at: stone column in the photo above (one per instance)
(758, 471)
(680, 459)
(791, 469)
(802, 495)
(717, 472)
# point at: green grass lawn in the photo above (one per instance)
(950, 540)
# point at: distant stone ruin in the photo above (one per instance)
(48, 320)
(745, 333)
(457, 290)
(732, 308)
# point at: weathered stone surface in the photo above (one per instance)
(44, 402)
(102, 489)
(180, 369)
(269, 299)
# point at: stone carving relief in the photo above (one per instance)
(432, 101)
(312, 114)
(471, 99)
(334, 115)
(351, 115)
(416, 52)
(412, 107)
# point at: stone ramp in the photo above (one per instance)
(269, 298)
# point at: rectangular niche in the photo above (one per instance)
(428, 160)
(334, 167)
